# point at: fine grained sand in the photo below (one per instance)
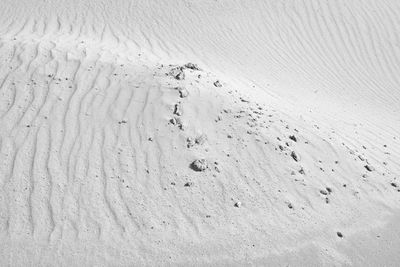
(281, 147)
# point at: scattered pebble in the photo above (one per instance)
(294, 156)
(188, 184)
(369, 168)
(217, 83)
(190, 142)
(182, 92)
(199, 165)
(192, 66)
(323, 192)
(177, 121)
(178, 110)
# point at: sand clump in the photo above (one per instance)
(199, 165)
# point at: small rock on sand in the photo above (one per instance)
(199, 165)
(182, 92)
(178, 110)
(238, 204)
(369, 168)
(192, 66)
(294, 156)
(188, 184)
(323, 192)
(217, 83)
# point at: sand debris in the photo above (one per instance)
(293, 138)
(192, 66)
(199, 165)
(294, 156)
(177, 73)
(369, 168)
(178, 122)
(182, 92)
(188, 184)
(217, 83)
(178, 109)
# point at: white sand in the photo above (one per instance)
(96, 141)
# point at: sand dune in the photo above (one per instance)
(278, 144)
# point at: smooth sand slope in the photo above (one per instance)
(279, 146)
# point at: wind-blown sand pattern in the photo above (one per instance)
(279, 145)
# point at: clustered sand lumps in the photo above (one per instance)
(177, 73)
(178, 122)
(256, 118)
(288, 146)
(365, 162)
(325, 192)
(195, 142)
(395, 185)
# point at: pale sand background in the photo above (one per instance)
(92, 171)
